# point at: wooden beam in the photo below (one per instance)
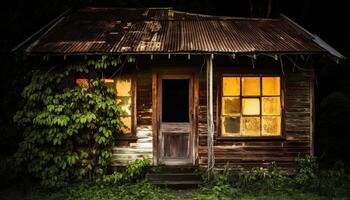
(154, 118)
(210, 118)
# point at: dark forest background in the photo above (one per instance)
(19, 19)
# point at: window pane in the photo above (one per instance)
(231, 105)
(108, 82)
(123, 87)
(271, 125)
(251, 106)
(250, 126)
(82, 82)
(125, 104)
(127, 124)
(271, 85)
(230, 126)
(231, 86)
(251, 86)
(271, 106)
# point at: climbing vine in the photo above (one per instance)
(68, 130)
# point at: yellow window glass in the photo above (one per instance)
(123, 87)
(271, 125)
(230, 126)
(231, 105)
(250, 126)
(127, 124)
(251, 106)
(271, 106)
(108, 82)
(251, 86)
(82, 82)
(125, 104)
(124, 100)
(270, 86)
(231, 86)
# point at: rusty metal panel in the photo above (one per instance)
(163, 30)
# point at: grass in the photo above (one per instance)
(141, 190)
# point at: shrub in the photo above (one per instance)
(259, 179)
(306, 170)
(68, 130)
(133, 171)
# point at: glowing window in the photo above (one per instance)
(231, 86)
(250, 106)
(251, 86)
(82, 82)
(123, 95)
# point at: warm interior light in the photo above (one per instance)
(270, 86)
(271, 105)
(123, 87)
(251, 106)
(82, 82)
(271, 125)
(251, 86)
(250, 126)
(127, 124)
(231, 86)
(125, 104)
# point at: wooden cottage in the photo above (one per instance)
(237, 91)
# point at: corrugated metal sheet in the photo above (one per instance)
(163, 30)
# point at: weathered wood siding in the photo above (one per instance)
(141, 145)
(297, 95)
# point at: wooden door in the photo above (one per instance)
(175, 118)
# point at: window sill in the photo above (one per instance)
(257, 138)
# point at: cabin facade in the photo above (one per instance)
(237, 91)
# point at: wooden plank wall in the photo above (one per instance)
(141, 145)
(298, 128)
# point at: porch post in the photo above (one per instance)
(210, 120)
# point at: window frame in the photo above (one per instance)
(132, 135)
(219, 135)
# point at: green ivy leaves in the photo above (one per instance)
(68, 131)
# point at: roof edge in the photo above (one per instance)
(42, 29)
(317, 39)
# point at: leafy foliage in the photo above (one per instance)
(308, 179)
(83, 191)
(306, 170)
(133, 170)
(68, 130)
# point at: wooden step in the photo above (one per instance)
(173, 169)
(126, 150)
(174, 176)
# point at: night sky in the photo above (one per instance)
(327, 19)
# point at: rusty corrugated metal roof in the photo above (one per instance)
(163, 30)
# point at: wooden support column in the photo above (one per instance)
(210, 115)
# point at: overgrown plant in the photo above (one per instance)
(68, 130)
(134, 170)
(306, 171)
(258, 179)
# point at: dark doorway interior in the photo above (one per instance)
(175, 102)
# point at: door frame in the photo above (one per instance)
(156, 103)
